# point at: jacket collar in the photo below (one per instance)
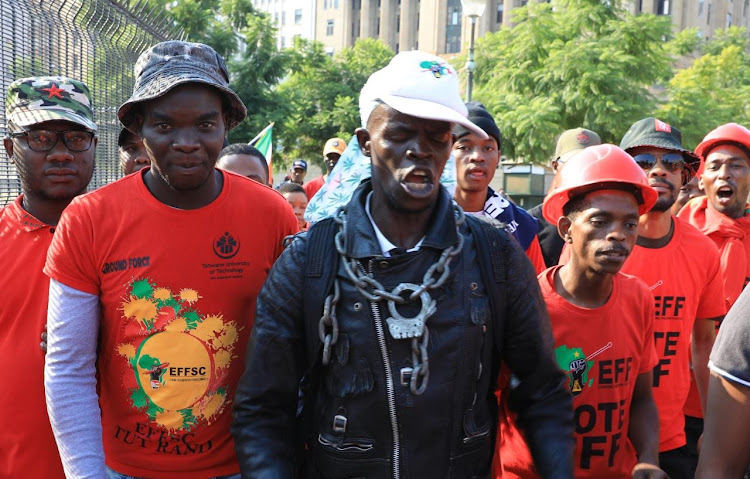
(361, 240)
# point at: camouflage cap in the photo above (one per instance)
(172, 63)
(38, 99)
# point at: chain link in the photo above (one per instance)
(421, 369)
(328, 326)
(435, 277)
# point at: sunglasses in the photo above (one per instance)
(672, 162)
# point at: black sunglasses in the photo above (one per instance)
(672, 162)
(45, 140)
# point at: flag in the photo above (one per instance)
(264, 143)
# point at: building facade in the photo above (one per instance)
(293, 18)
(439, 27)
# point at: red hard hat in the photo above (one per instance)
(597, 168)
(731, 133)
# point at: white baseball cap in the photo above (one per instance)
(417, 84)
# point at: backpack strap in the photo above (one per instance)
(321, 265)
(492, 243)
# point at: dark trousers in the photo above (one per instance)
(678, 463)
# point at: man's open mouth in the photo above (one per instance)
(418, 182)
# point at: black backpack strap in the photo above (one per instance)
(320, 247)
(492, 243)
(321, 264)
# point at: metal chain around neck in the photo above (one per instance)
(398, 326)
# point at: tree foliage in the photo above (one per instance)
(322, 94)
(567, 64)
(714, 90)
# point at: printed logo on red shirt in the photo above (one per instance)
(226, 246)
(577, 365)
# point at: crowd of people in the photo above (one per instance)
(194, 325)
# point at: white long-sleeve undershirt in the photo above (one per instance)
(70, 380)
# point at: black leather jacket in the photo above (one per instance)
(360, 420)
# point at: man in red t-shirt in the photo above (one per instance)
(51, 140)
(153, 285)
(722, 215)
(687, 287)
(332, 151)
(602, 321)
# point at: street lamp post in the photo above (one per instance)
(472, 9)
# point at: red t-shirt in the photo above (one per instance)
(177, 291)
(685, 279)
(603, 351)
(312, 187)
(534, 253)
(27, 446)
(732, 236)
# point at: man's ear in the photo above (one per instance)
(8, 144)
(363, 138)
(563, 228)
(700, 183)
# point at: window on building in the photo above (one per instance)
(276, 17)
(398, 23)
(377, 26)
(298, 16)
(453, 44)
(283, 18)
(329, 27)
(325, 4)
(356, 4)
(663, 7)
(524, 3)
(729, 20)
(700, 7)
(283, 42)
(500, 11)
(335, 3)
(453, 27)
(708, 15)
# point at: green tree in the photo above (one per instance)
(322, 94)
(713, 90)
(566, 64)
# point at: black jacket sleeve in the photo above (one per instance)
(266, 401)
(540, 395)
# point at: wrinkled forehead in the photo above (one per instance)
(385, 118)
(603, 198)
(727, 152)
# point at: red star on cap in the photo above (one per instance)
(54, 91)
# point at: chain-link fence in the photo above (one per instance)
(97, 41)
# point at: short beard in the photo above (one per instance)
(664, 204)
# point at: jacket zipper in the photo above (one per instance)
(390, 392)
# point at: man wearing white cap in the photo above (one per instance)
(396, 314)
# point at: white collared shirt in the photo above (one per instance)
(385, 244)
